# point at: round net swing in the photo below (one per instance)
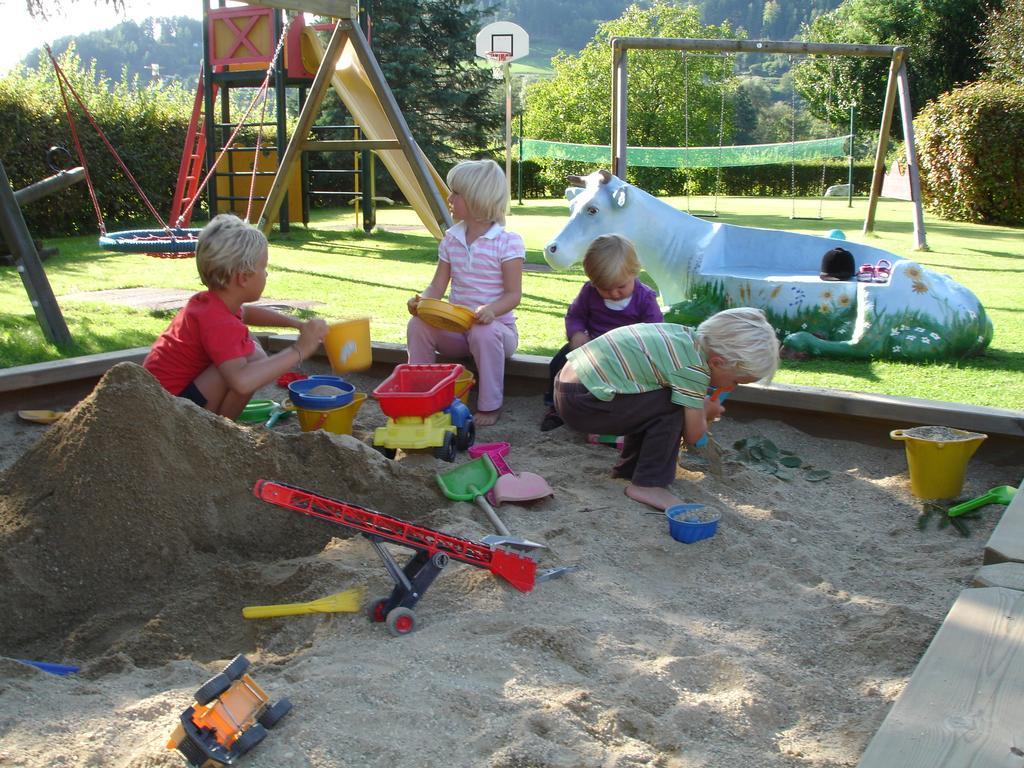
(175, 243)
(168, 242)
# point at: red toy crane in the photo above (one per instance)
(433, 550)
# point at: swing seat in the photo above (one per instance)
(177, 243)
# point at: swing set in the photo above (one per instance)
(758, 154)
(898, 84)
(172, 240)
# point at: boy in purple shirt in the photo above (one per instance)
(612, 298)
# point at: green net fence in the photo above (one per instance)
(692, 157)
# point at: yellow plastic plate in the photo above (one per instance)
(447, 317)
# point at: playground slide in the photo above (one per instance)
(354, 88)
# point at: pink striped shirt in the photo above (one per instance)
(476, 268)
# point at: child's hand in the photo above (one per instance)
(713, 410)
(311, 334)
(579, 339)
(484, 314)
(413, 305)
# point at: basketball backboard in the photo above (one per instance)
(502, 37)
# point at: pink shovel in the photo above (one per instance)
(525, 486)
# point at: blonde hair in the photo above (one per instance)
(609, 260)
(744, 338)
(227, 246)
(481, 183)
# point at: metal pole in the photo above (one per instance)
(519, 173)
(507, 68)
(619, 114)
(849, 174)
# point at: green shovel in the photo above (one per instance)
(1002, 494)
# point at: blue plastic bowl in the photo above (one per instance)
(299, 391)
(685, 525)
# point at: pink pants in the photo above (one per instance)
(489, 344)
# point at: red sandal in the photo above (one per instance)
(866, 273)
(883, 270)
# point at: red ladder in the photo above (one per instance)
(192, 158)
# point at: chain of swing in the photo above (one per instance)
(727, 65)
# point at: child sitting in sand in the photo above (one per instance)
(649, 383)
(484, 263)
(207, 354)
(612, 297)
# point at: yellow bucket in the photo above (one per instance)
(937, 458)
(336, 420)
(348, 345)
(464, 384)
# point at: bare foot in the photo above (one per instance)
(655, 496)
(486, 418)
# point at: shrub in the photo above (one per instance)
(971, 147)
(146, 125)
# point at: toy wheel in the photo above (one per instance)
(447, 450)
(388, 453)
(466, 435)
(236, 668)
(401, 621)
(250, 738)
(272, 714)
(212, 688)
(439, 559)
(377, 608)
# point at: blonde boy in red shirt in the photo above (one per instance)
(207, 355)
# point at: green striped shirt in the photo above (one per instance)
(641, 358)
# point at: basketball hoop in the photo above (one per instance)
(499, 57)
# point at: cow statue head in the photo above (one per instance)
(597, 206)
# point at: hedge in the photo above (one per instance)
(146, 125)
(971, 152)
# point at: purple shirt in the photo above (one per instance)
(589, 313)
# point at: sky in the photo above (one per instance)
(20, 33)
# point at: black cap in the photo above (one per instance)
(837, 264)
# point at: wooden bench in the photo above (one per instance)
(964, 704)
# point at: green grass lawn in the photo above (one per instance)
(353, 274)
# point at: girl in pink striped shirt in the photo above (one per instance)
(483, 262)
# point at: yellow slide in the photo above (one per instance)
(356, 92)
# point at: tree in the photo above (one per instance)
(427, 51)
(1001, 44)
(574, 105)
(942, 38)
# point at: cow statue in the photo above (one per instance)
(906, 312)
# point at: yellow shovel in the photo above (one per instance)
(40, 417)
(340, 602)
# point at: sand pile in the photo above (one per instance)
(136, 510)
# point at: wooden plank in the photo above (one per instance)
(1009, 575)
(338, 9)
(72, 369)
(1006, 544)
(901, 411)
(753, 46)
(963, 705)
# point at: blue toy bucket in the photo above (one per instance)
(301, 397)
(691, 522)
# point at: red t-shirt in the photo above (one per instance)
(204, 333)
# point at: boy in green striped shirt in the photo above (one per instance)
(649, 382)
